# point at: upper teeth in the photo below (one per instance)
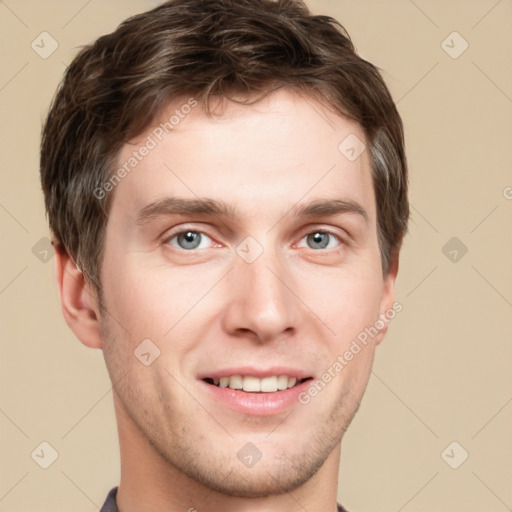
(253, 384)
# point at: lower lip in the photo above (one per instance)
(257, 404)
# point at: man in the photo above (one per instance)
(226, 187)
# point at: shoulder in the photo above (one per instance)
(110, 504)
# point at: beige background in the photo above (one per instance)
(444, 372)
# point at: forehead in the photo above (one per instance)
(278, 151)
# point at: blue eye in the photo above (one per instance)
(190, 240)
(321, 240)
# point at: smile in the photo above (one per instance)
(251, 384)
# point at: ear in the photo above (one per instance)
(388, 308)
(78, 299)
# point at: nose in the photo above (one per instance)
(261, 303)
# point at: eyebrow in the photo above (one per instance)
(185, 206)
(329, 207)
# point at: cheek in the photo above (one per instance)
(347, 301)
(153, 300)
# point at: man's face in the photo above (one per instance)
(277, 284)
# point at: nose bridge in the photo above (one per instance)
(266, 278)
(259, 296)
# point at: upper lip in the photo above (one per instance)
(259, 373)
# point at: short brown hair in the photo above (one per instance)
(115, 87)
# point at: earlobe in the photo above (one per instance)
(387, 310)
(78, 300)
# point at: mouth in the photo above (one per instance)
(252, 390)
(252, 384)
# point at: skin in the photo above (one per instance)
(207, 309)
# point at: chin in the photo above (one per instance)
(274, 474)
(259, 483)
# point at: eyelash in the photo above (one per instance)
(341, 241)
(325, 232)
